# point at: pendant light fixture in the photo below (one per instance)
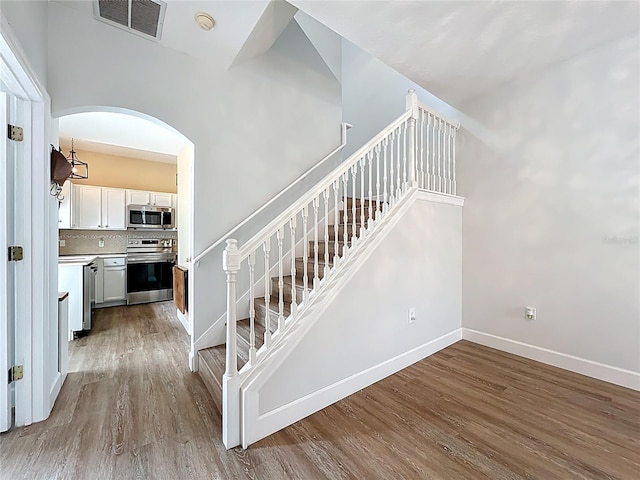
(79, 169)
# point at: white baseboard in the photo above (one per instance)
(607, 373)
(271, 422)
(55, 390)
(184, 320)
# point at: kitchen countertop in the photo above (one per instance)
(77, 259)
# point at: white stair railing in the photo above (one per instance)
(334, 216)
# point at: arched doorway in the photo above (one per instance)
(139, 160)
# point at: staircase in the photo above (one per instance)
(212, 359)
(296, 262)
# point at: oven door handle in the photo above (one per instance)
(134, 260)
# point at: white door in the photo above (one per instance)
(10, 111)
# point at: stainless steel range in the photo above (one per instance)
(149, 269)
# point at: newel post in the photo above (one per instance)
(231, 265)
(230, 379)
(412, 106)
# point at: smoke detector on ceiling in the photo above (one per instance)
(142, 17)
(204, 20)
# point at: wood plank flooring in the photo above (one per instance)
(130, 409)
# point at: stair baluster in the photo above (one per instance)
(294, 304)
(326, 233)
(280, 238)
(267, 293)
(354, 173)
(345, 219)
(453, 142)
(316, 227)
(252, 309)
(421, 156)
(398, 164)
(377, 153)
(439, 155)
(405, 159)
(305, 255)
(385, 180)
(369, 157)
(362, 198)
(336, 221)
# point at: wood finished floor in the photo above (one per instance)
(130, 409)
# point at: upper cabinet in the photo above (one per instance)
(91, 207)
(113, 208)
(138, 197)
(161, 199)
(64, 210)
(87, 206)
(98, 207)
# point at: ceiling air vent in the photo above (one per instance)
(142, 17)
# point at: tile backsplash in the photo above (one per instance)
(79, 242)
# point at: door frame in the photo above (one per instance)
(36, 231)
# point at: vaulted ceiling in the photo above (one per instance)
(460, 49)
(454, 49)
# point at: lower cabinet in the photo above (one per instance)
(111, 283)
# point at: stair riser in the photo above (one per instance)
(275, 291)
(273, 315)
(310, 266)
(359, 213)
(322, 248)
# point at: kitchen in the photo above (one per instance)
(118, 215)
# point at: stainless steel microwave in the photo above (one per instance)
(147, 216)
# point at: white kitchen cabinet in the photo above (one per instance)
(98, 297)
(64, 209)
(70, 279)
(87, 206)
(113, 208)
(98, 207)
(114, 282)
(138, 197)
(159, 199)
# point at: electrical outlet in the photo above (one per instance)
(101, 243)
(412, 315)
(529, 313)
(62, 243)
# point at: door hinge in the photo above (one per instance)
(16, 253)
(15, 133)
(16, 373)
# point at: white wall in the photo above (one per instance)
(419, 265)
(185, 172)
(28, 20)
(554, 180)
(374, 94)
(255, 127)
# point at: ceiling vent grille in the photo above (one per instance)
(142, 17)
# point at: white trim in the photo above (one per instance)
(55, 388)
(437, 197)
(270, 422)
(36, 280)
(600, 371)
(6, 353)
(183, 319)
